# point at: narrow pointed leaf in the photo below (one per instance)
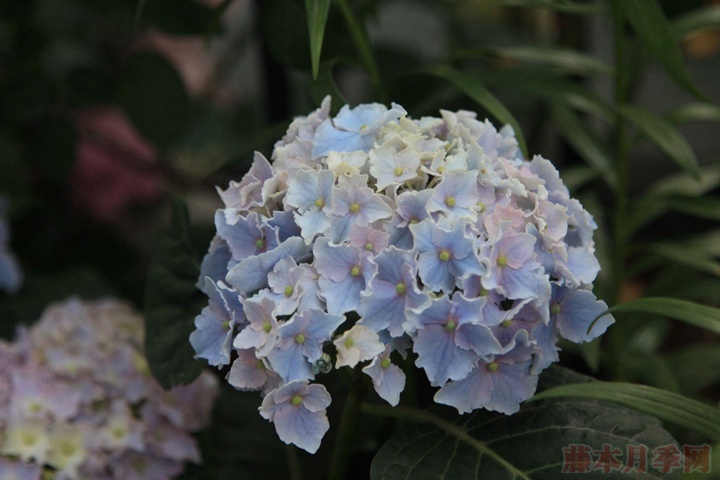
(667, 406)
(562, 58)
(688, 312)
(682, 183)
(696, 20)
(695, 112)
(654, 31)
(317, 13)
(665, 136)
(581, 138)
(564, 6)
(477, 91)
(682, 254)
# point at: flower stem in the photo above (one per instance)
(346, 435)
(362, 44)
(293, 463)
(621, 152)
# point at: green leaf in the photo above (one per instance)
(360, 38)
(699, 19)
(152, 93)
(665, 136)
(317, 13)
(653, 29)
(528, 445)
(139, 11)
(171, 304)
(564, 6)
(695, 112)
(682, 183)
(682, 254)
(477, 91)
(565, 59)
(583, 140)
(666, 406)
(684, 311)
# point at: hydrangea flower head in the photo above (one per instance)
(371, 235)
(77, 401)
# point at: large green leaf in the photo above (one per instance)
(696, 20)
(667, 406)
(171, 304)
(682, 183)
(317, 13)
(664, 135)
(654, 31)
(474, 89)
(525, 446)
(692, 313)
(682, 253)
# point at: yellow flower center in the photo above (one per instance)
(288, 290)
(267, 327)
(398, 171)
(444, 256)
(501, 261)
(349, 342)
(296, 400)
(300, 338)
(492, 367)
(355, 271)
(355, 207)
(450, 201)
(320, 203)
(385, 362)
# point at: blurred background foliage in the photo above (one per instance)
(111, 109)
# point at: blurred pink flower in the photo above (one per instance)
(116, 168)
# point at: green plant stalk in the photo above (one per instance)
(362, 44)
(293, 463)
(620, 142)
(346, 434)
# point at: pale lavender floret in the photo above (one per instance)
(36, 393)
(285, 285)
(393, 292)
(388, 379)
(546, 350)
(499, 388)
(252, 191)
(310, 286)
(355, 206)
(299, 343)
(17, 470)
(249, 236)
(251, 274)
(353, 128)
(215, 325)
(298, 411)
(368, 238)
(357, 345)
(582, 266)
(284, 223)
(517, 328)
(411, 209)
(392, 168)
(249, 372)
(575, 310)
(311, 192)
(214, 264)
(580, 223)
(262, 329)
(456, 195)
(544, 169)
(515, 272)
(445, 255)
(345, 272)
(451, 337)
(165, 439)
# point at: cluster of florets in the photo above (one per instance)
(77, 401)
(10, 274)
(372, 235)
